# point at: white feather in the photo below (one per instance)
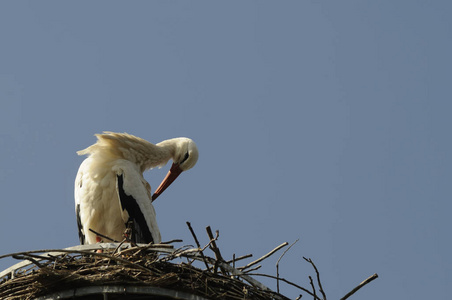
(95, 185)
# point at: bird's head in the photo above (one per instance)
(184, 158)
(186, 154)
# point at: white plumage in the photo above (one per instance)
(111, 192)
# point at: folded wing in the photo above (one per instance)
(137, 210)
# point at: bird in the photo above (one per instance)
(111, 194)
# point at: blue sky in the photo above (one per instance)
(325, 121)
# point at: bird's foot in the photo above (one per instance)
(99, 240)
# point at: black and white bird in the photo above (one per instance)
(111, 193)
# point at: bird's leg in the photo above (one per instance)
(128, 233)
(98, 240)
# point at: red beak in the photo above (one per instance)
(170, 177)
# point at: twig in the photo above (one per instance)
(318, 276)
(29, 257)
(210, 243)
(172, 241)
(236, 259)
(49, 258)
(246, 277)
(213, 244)
(103, 236)
(252, 269)
(125, 261)
(119, 246)
(233, 260)
(135, 248)
(313, 287)
(216, 250)
(375, 276)
(277, 264)
(263, 257)
(193, 234)
(288, 282)
(198, 245)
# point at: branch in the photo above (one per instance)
(288, 282)
(103, 255)
(318, 276)
(216, 250)
(313, 287)
(172, 241)
(375, 276)
(198, 245)
(277, 265)
(263, 257)
(236, 259)
(213, 244)
(252, 269)
(29, 257)
(103, 236)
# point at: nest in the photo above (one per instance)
(158, 271)
(45, 272)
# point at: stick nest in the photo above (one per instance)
(50, 271)
(44, 272)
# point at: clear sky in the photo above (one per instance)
(327, 121)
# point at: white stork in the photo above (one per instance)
(111, 193)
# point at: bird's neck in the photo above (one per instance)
(147, 155)
(122, 146)
(157, 155)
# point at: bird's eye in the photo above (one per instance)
(185, 158)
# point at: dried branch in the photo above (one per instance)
(263, 257)
(30, 258)
(216, 251)
(103, 236)
(172, 241)
(277, 264)
(289, 283)
(236, 259)
(252, 269)
(197, 244)
(313, 287)
(119, 246)
(369, 279)
(318, 276)
(141, 248)
(213, 244)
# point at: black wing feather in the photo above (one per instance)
(140, 229)
(81, 236)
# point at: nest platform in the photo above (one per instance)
(125, 271)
